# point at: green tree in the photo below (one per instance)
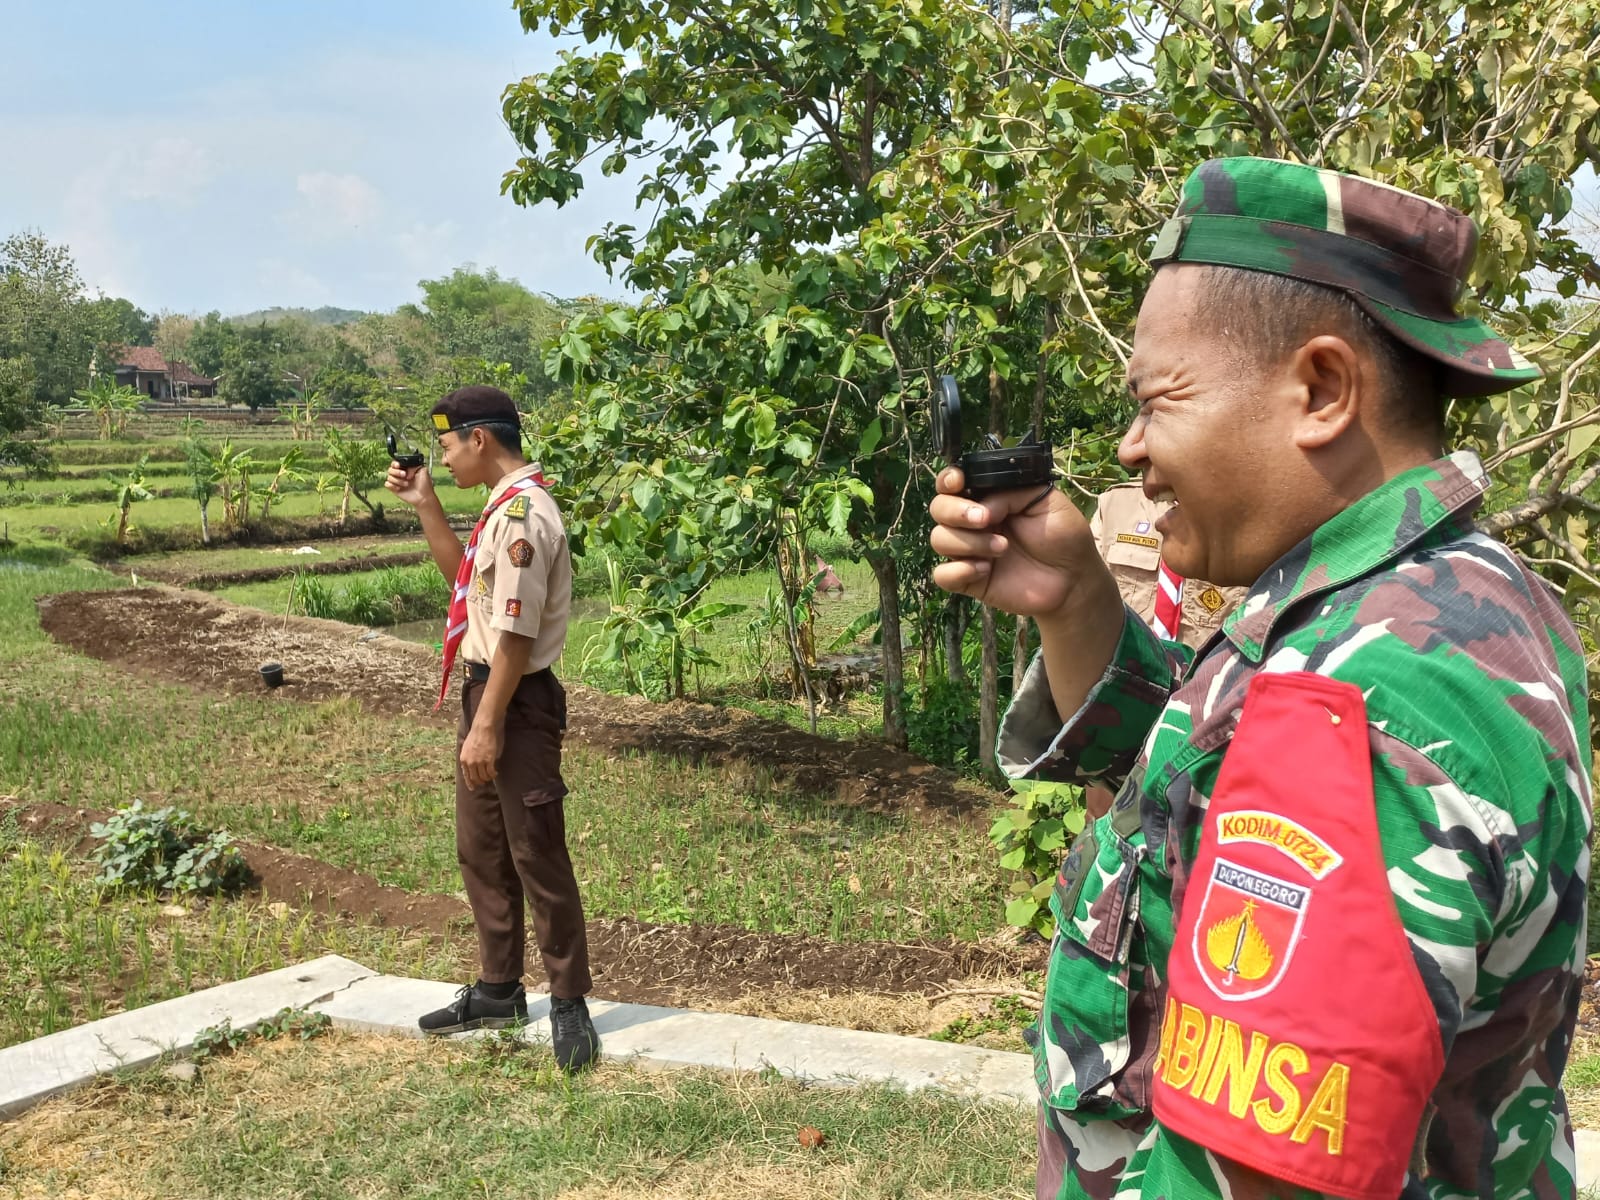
(478, 316)
(253, 372)
(208, 342)
(291, 467)
(847, 197)
(43, 315)
(230, 471)
(763, 341)
(21, 413)
(360, 466)
(1489, 107)
(118, 322)
(202, 467)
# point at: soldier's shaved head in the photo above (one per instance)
(1267, 317)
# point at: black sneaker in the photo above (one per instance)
(474, 1010)
(572, 1035)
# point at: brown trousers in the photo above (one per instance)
(511, 841)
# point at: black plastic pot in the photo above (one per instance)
(272, 674)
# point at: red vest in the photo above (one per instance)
(1298, 1037)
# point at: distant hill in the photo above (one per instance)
(326, 315)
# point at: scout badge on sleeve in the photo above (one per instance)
(1272, 1051)
(455, 622)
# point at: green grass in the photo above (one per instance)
(74, 954)
(55, 523)
(651, 837)
(751, 669)
(243, 558)
(343, 1115)
(61, 520)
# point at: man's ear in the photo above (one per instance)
(1327, 378)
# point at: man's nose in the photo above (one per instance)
(1130, 450)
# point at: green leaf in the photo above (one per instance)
(1020, 912)
(710, 612)
(763, 423)
(1050, 834)
(838, 514)
(870, 437)
(647, 497)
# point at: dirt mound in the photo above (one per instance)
(217, 579)
(196, 639)
(206, 642)
(634, 961)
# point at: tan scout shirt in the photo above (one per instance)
(521, 577)
(1124, 527)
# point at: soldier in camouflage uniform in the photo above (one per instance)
(1330, 938)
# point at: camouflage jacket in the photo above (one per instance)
(1477, 714)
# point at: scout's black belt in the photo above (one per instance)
(479, 672)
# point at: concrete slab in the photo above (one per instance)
(671, 1037)
(1588, 1143)
(357, 998)
(34, 1071)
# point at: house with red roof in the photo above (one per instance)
(144, 370)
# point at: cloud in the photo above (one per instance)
(425, 247)
(332, 205)
(246, 188)
(293, 282)
(169, 168)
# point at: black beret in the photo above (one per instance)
(475, 405)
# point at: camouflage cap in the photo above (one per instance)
(1404, 259)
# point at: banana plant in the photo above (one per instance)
(231, 474)
(202, 482)
(289, 468)
(129, 489)
(111, 403)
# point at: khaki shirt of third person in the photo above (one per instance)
(1124, 528)
(521, 577)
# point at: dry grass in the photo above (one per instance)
(1583, 1081)
(981, 1020)
(360, 1116)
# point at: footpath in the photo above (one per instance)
(355, 997)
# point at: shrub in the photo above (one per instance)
(163, 850)
(1032, 838)
(388, 597)
(942, 724)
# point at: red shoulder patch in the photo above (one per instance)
(520, 552)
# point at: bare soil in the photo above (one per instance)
(708, 966)
(206, 642)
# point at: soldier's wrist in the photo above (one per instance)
(1091, 602)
